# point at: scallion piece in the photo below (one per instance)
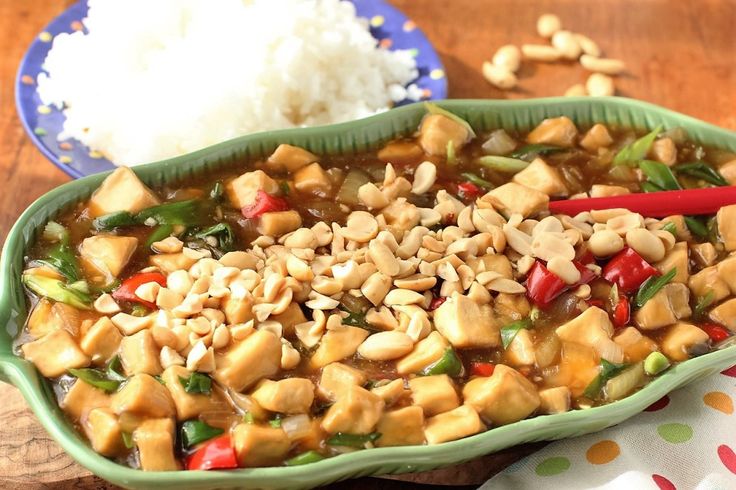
(508, 332)
(503, 164)
(224, 234)
(114, 369)
(703, 303)
(448, 364)
(304, 458)
(195, 431)
(196, 383)
(435, 109)
(96, 378)
(607, 371)
(701, 170)
(161, 232)
(632, 153)
(352, 440)
(530, 152)
(696, 227)
(470, 177)
(655, 363)
(54, 289)
(652, 285)
(127, 439)
(660, 175)
(670, 227)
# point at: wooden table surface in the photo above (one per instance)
(680, 54)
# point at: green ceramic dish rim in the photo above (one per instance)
(355, 135)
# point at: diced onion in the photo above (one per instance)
(296, 426)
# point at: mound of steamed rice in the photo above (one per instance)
(151, 80)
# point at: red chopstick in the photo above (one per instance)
(654, 204)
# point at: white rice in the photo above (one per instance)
(155, 79)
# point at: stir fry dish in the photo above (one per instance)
(301, 306)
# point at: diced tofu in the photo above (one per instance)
(259, 446)
(242, 190)
(596, 137)
(515, 306)
(122, 190)
(493, 263)
(188, 405)
(466, 324)
(680, 338)
(402, 427)
(598, 190)
(337, 378)
(237, 309)
(727, 272)
(592, 328)
(83, 397)
(437, 131)
(357, 412)
(426, 351)
(513, 198)
(726, 220)
(676, 258)
(169, 263)
(504, 397)
(708, 280)
(728, 170)
(670, 304)
(725, 314)
(143, 395)
(664, 151)
(290, 395)
(401, 215)
(293, 315)
(520, 351)
(543, 178)
(337, 344)
(558, 131)
(401, 153)
(155, 441)
(435, 394)
(107, 253)
(313, 179)
(291, 158)
(704, 254)
(101, 341)
(682, 231)
(140, 354)
(279, 223)
(244, 363)
(578, 367)
(103, 431)
(48, 316)
(391, 392)
(635, 345)
(554, 400)
(55, 353)
(455, 424)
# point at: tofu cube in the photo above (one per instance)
(391, 392)
(101, 341)
(242, 190)
(291, 158)
(236, 309)
(357, 412)
(103, 431)
(143, 395)
(725, 314)
(108, 253)
(554, 400)
(81, 398)
(188, 405)
(402, 427)
(466, 324)
(155, 440)
(513, 198)
(663, 150)
(293, 315)
(670, 304)
(594, 329)
(726, 220)
(435, 394)
(493, 263)
(599, 190)
(682, 232)
(437, 131)
(140, 354)
(313, 179)
(48, 316)
(246, 362)
(728, 170)
(279, 223)
(337, 344)
(426, 351)
(520, 351)
(635, 345)
(122, 190)
(55, 353)
(558, 131)
(505, 397)
(455, 424)
(256, 445)
(169, 263)
(289, 396)
(680, 338)
(709, 280)
(543, 178)
(727, 272)
(676, 258)
(337, 378)
(596, 137)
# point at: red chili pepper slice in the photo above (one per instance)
(716, 332)
(264, 203)
(628, 270)
(597, 303)
(468, 190)
(586, 275)
(481, 368)
(621, 312)
(436, 302)
(586, 257)
(217, 453)
(126, 291)
(542, 286)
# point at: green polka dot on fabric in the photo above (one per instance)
(675, 433)
(553, 466)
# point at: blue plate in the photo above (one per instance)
(43, 124)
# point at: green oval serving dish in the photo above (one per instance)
(344, 138)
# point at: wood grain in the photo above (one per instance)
(680, 54)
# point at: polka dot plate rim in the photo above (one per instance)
(43, 124)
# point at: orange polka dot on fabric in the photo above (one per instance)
(719, 401)
(603, 452)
